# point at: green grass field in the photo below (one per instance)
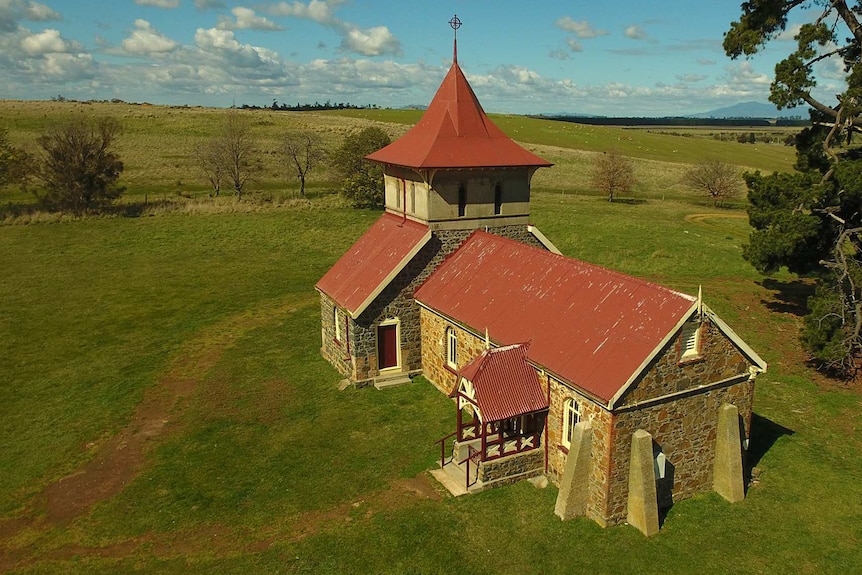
(175, 358)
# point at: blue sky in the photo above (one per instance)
(622, 58)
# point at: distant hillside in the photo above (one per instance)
(752, 110)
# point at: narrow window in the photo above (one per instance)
(690, 341)
(498, 199)
(571, 417)
(336, 319)
(451, 348)
(412, 197)
(398, 192)
(462, 201)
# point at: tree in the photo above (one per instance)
(208, 159)
(13, 161)
(77, 168)
(612, 174)
(811, 220)
(716, 179)
(227, 157)
(234, 148)
(362, 179)
(305, 151)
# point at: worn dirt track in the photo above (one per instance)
(119, 459)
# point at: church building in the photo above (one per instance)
(626, 394)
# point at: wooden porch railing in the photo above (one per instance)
(442, 443)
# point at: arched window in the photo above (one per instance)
(462, 201)
(498, 199)
(451, 348)
(571, 417)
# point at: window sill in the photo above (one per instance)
(563, 448)
(690, 360)
(450, 369)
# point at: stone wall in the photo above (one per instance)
(684, 428)
(718, 360)
(332, 349)
(396, 302)
(512, 467)
(601, 421)
(434, 343)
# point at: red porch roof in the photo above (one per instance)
(373, 261)
(590, 325)
(505, 384)
(454, 132)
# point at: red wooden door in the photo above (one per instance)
(387, 346)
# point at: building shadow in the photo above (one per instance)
(790, 296)
(764, 433)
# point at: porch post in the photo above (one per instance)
(458, 417)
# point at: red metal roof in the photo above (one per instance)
(373, 261)
(591, 326)
(505, 384)
(454, 132)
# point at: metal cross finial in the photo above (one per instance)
(455, 22)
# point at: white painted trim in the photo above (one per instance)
(743, 347)
(391, 276)
(543, 239)
(397, 323)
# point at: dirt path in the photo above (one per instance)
(701, 218)
(120, 459)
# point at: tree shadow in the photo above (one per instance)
(790, 296)
(629, 201)
(763, 435)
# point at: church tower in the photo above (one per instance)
(455, 169)
(452, 173)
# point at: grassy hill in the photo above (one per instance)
(157, 145)
(165, 408)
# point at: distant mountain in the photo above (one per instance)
(752, 110)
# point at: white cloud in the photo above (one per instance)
(574, 45)
(246, 19)
(374, 41)
(12, 11)
(207, 4)
(67, 67)
(559, 55)
(635, 32)
(159, 3)
(319, 11)
(45, 42)
(789, 34)
(371, 42)
(223, 44)
(706, 62)
(691, 77)
(147, 40)
(582, 29)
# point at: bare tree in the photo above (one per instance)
(305, 151)
(613, 174)
(78, 169)
(236, 146)
(207, 156)
(716, 179)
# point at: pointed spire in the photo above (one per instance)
(455, 23)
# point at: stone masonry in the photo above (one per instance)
(396, 302)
